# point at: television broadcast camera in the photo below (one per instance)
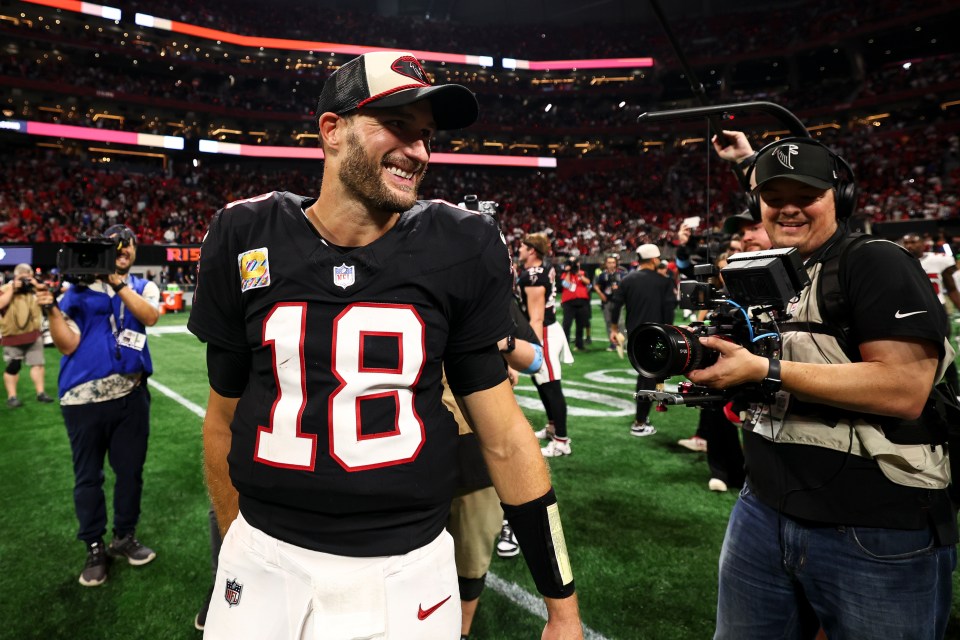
(759, 286)
(82, 261)
(489, 207)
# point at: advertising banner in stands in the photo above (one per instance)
(11, 256)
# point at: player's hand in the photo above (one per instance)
(563, 620)
(735, 366)
(615, 337)
(735, 152)
(513, 376)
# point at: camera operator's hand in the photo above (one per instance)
(736, 152)
(45, 297)
(735, 366)
(112, 279)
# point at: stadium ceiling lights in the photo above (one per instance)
(153, 22)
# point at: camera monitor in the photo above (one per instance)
(765, 278)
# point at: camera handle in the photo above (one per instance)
(687, 394)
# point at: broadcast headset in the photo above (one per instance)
(808, 161)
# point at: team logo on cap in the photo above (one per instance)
(410, 67)
(254, 269)
(784, 155)
(232, 592)
(344, 276)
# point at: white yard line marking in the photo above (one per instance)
(179, 399)
(529, 602)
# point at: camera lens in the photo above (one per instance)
(88, 259)
(660, 351)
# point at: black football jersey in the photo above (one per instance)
(543, 276)
(340, 441)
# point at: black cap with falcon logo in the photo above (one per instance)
(392, 79)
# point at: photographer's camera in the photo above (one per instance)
(762, 281)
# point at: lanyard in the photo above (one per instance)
(116, 324)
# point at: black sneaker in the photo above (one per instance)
(95, 570)
(201, 619)
(507, 545)
(13, 402)
(44, 398)
(130, 548)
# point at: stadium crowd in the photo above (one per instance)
(50, 197)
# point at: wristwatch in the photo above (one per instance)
(511, 344)
(117, 288)
(772, 382)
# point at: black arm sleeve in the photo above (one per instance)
(227, 370)
(474, 370)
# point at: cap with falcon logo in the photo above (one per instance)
(391, 79)
(810, 164)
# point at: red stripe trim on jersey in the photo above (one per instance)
(548, 360)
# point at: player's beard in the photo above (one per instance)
(363, 177)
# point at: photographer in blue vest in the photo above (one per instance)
(845, 522)
(100, 328)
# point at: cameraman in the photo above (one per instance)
(845, 520)
(100, 328)
(575, 300)
(20, 318)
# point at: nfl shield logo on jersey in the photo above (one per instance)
(232, 594)
(344, 276)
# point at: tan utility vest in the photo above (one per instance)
(912, 465)
(21, 316)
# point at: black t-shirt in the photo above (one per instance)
(889, 297)
(340, 441)
(648, 297)
(544, 276)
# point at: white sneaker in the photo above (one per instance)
(640, 430)
(507, 545)
(716, 484)
(694, 443)
(541, 434)
(555, 449)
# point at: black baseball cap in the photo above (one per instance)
(734, 223)
(806, 162)
(392, 79)
(123, 233)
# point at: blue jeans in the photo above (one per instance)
(783, 579)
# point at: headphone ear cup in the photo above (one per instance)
(753, 204)
(846, 200)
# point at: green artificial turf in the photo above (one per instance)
(643, 531)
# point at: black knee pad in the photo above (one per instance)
(471, 588)
(13, 367)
